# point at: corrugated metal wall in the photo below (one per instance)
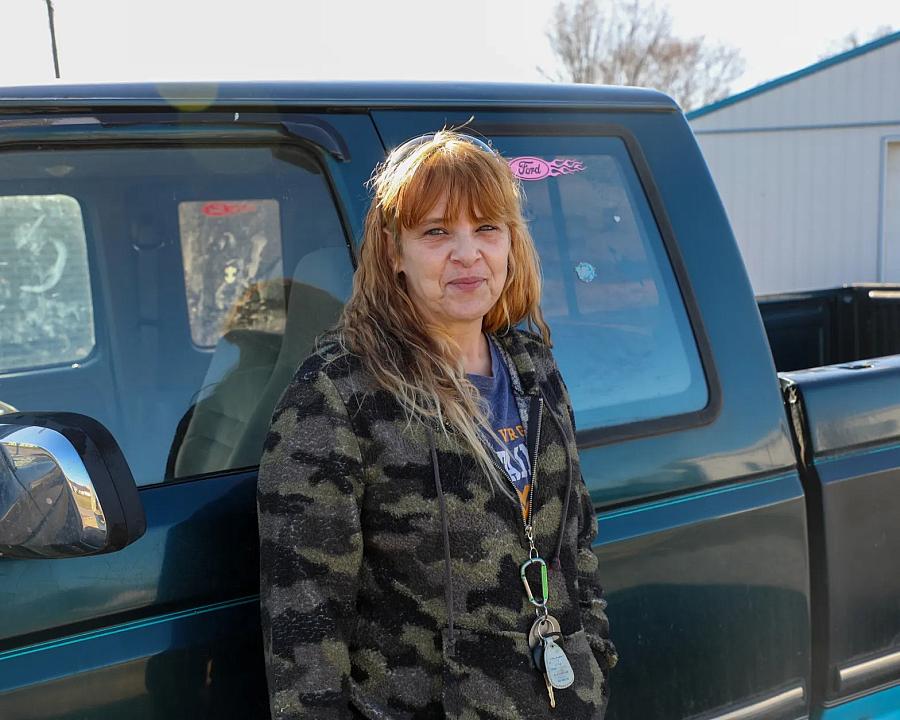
(802, 172)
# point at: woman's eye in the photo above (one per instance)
(434, 232)
(488, 227)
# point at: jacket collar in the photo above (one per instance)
(511, 341)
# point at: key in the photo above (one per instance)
(550, 691)
(537, 656)
(544, 625)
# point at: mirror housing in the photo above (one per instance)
(65, 488)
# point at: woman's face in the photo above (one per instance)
(454, 271)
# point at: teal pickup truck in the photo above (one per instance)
(168, 254)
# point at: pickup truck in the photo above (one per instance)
(168, 254)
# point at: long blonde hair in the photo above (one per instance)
(418, 362)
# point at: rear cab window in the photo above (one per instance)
(46, 306)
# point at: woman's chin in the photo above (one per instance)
(468, 314)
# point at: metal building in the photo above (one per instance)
(808, 167)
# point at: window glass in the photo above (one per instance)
(620, 330)
(213, 270)
(46, 311)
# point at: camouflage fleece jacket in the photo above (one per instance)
(390, 564)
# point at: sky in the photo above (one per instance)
(499, 40)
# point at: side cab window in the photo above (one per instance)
(620, 328)
(169, 292)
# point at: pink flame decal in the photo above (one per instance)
(564, 167)
(534, 168)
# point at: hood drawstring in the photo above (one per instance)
(554, 562)
(448, 584)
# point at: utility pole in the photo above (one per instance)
(53, 37)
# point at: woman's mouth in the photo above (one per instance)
(466, 283)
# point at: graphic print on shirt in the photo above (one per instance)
(508, 439)
(513, 456)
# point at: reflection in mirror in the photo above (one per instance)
(48, 505)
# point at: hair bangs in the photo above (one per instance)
(472, 180)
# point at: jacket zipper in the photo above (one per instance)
(537, 443)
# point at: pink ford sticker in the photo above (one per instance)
(533, 168)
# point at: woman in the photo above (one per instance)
(425, 531)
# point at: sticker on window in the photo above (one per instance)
(534, 168)
(585, 272)
(233, 272)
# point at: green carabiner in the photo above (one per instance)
(545, 586)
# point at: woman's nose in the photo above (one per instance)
(466, 249)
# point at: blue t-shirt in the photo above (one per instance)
(503, 414)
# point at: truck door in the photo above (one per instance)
(682, 433)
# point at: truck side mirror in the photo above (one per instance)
(65, 488)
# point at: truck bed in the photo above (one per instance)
(832, 326)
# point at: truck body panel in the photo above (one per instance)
(846, 422)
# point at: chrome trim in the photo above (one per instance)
(884, 294)
(766, 708)
(52, 442)
(875, 666)
(49, 506)
(47, 121)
